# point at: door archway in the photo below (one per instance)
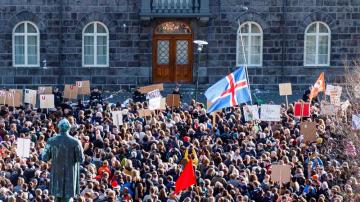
(172, 52)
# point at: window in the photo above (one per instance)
(249, 44)
(26, 43)
(317, 45)
(95, 45)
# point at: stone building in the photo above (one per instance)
(126, 43)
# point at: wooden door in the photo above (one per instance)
(172, 57)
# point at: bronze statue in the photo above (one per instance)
(66, 154)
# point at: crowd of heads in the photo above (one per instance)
(142, 159)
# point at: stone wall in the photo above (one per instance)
(283, 22)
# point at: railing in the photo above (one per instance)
(175, 8)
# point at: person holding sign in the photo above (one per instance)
(96, 97)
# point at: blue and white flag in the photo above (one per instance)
(229, 91)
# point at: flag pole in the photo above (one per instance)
(245, 65)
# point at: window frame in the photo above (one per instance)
(25, 34)
(250, 35)
(317, 34)
(95, 34)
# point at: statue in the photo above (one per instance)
(66, 154)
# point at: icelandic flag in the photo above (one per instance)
(229, 91)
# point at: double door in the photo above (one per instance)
(172, 58)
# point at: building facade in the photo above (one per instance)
(126, 43)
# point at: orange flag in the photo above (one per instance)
(186, 179)
(318, 87)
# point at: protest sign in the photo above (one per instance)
(270, 112)
(302, 109)
(45, 90)
(251, 112)
(83, 87)
(153, 94)
(328, 109)
(23, 147)
(18, 93)
(355, 121)
(47, 101)
(3, 97)
(13, 98)
(173, 100)
(144, 112)
(30, 96)
(158, 103)
(344, 105)
(285, 89)
(117, 117)
(70, 92)
(308, 129)
(146, 89)
(281, 173)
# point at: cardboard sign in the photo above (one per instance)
(146, 89)
(173, 100)
(83, 87)
(308, 129)
(281, 173)
(251, 112)
(355, 122)
(23, 148)
(144, 112)
(13, 98)
(70, 92)
(270, 113)
(47, 101)
(20, 93)
(30, 96)
(331, 89)
(302, 109)
(3, 97)
(157, 103)
(285, 89)
(153, 94)
(329, 109)
(117, 117)
(45, 90)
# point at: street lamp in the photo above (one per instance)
(200, 45)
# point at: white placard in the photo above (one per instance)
(355, 122)
(23, 148)
(153, 94)
(333, 89)
(270, 113)
(251, 112)
(328, 109)
(117, 117)
(47, 101)
(158, 103)
(30, 96)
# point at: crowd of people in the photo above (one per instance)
(142, 159)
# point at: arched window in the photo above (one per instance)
(249, 44)
(26, 45)
(95, 45)
(317, 45)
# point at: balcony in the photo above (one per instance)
(175, 9)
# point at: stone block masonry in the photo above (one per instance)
(283, 22)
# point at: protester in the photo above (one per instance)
(142, 159)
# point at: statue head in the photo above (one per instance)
(64, 125)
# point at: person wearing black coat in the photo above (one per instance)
(58, 97)
(96, 97)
